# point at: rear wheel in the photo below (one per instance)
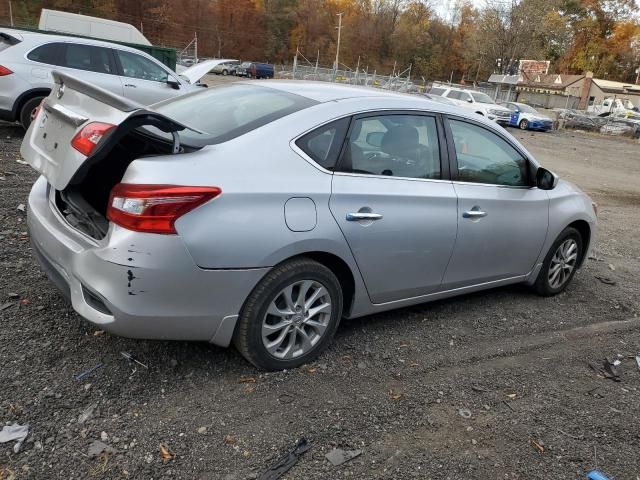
(291, 316)
(28, 111)
(560, 264)
(225, 72)
(524, 124)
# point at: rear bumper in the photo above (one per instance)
(137, 285)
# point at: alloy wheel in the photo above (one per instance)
(563, 263)
(296, 319)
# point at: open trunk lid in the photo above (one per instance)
(72, 105)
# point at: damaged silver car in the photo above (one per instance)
(263, 214)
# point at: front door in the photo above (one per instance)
(393, 206)
(502, 218)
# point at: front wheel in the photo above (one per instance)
(524, 125)
(560, 264)
(291, 316)
(225, 72)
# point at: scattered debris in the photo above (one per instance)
(22, 162)
(247, 379)
(21, 207)
(13, 295)
(98, 333)
(165, 453)
(512, 396)
(15, 432)
(86, 373)
(87, 413)
(465, 413)
(478, 389)
(596, 475)
(104, 436)
(285, 463)
(97, 448)
(638, 361)
(395, 395)
(6, 305)
(508, 405)
(337, 456)
(606, 280)
(539, 445)
(608, 370)
(132, 358)
(202, 430)
(230, 439)
(612, 267)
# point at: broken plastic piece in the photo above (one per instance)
(337, 456)
(132, 358)
(86, 373)
(596, 475)
(14, 432)
(284, 464)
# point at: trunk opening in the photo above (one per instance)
(84, 201)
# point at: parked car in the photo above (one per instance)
(155, 229)
(526, 117)
(243, 69)
(438, 99)
(27, 60)
(479, 102)
(261, 70)
(227, 68)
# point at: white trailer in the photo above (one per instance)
(94, 27)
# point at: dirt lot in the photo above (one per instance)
(392, 385)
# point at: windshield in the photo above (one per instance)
(526, 108)
(481, 97)
(228, 111)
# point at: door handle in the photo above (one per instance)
(356, 217)
(131, 85)
(474, 214)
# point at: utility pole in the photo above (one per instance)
(10, 13)
(195, 38)
(339, 27)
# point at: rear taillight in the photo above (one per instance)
(155, 208)
(4, 71)
(88, 138)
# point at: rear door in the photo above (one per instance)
(90, 63)
(143, 80)
(502, 217)
(394, 203)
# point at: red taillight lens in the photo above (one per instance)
(86, 139)
(4, 71)
(155, 208)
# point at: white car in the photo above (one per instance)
(28, 58)
(479, 102)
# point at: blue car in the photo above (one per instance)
(528, 118)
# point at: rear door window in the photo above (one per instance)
(88, 58)
(49, 53)
(436, 91)
(454, 94)
(323, 144)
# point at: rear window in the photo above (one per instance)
(229, 111)
(49, 53)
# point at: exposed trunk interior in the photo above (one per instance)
(84, 201)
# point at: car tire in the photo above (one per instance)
(225, 72)
(563, 257)
(524, 124)
(27, 111)
(275, 302)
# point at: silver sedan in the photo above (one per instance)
(264, 214)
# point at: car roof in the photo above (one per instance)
(328, 92)
(28, 36)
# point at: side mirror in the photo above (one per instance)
(546, 179)
(375, 139)
(469, 100)
(173, 84)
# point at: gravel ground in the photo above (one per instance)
(395, 385)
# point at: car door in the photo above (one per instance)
(90, 63)
(514, 120)
(143, 80)
(502, 217)
(394, 203)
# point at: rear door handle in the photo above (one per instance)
(356, 217)
(474, 214)
(130, 85)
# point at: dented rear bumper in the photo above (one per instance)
(134, 284)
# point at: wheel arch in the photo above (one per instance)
(584, 229)
(25, 97)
